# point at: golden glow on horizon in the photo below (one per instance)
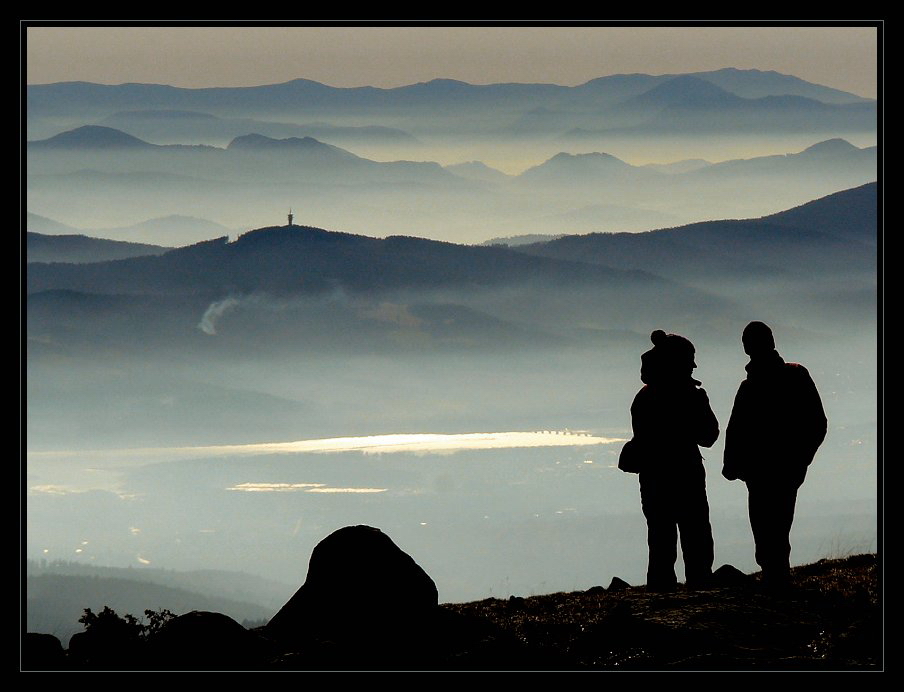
(842, 57)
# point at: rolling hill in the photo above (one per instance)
(328, 289)
(431, 96)
(249, 158)
(81, 248)
(836, 234)
(55, 601)
(172, 126)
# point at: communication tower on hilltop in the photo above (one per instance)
(291, 216)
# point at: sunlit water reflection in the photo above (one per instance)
(49, 475)
(495, 513)
(373, 444)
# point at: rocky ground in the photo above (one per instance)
(831, 618)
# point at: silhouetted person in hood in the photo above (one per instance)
(776, 425)
(671, 416)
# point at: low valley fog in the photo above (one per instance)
(483, 264)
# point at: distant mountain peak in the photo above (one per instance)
(831, 146)
(599, 155)
(277, 235)
(595, 160)
(445, 81)
(684, 90)
(736, 70)
(564, 166)
(178, 221)
(299, 81)
(42, 224)
(306, 144)
(93, 136)
(751, 83)
(257, 140)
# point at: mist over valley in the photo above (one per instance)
(461, 261)
(392, 161)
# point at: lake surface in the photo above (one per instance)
(485, 514)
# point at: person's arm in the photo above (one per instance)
(640, 418)
(732, 458)
(815, 424)
(707, 424)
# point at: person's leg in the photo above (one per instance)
(771, 512)
(662, 539)
(662, 536)
(696, 532)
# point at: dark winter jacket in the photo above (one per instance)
(777, 423)
(671, 420)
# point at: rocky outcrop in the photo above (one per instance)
(729, 575)
(618, 584)
(210, 641)
(42, 652)
(360, 586)
(366, 605)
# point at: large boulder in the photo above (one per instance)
(42, 652)
(729, 575)
(360, 586)
(206, 641)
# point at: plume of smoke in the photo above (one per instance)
(213, 313)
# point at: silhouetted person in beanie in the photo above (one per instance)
(671, 416)
(776, 425)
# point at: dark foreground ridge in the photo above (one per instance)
(366, 605)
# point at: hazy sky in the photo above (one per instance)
(844, 57)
